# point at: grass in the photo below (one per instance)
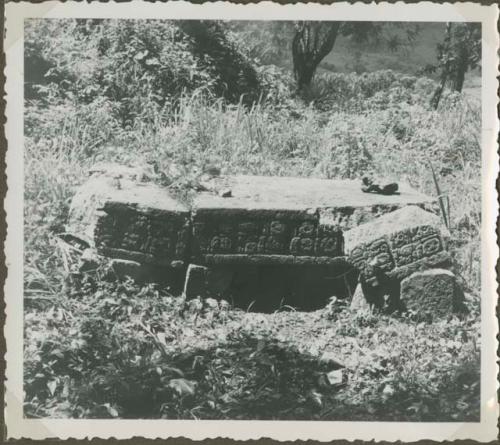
(90, 343)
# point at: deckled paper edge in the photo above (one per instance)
(17, 427)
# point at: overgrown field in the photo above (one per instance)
(112, 350)
(97, 348)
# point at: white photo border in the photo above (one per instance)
(19, 427)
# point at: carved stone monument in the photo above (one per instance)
(263, 221)
(400, 249)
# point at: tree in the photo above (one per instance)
(313, 41)
(266, 42)
(459, 52)
(236, 76)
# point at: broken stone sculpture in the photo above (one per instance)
(399, 253)
(265, 221)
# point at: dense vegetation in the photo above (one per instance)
(149, 92)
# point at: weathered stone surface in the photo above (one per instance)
(266, 235)
(145, 234)
(279, 220)
(266, 220)
(302, 194)
(130, 220)
(432, 293)
(397, 244)
(196, 282)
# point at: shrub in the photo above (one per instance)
(141, 66)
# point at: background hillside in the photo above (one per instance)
(349, 56)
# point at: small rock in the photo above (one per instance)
(388, 390)
(195, 305)
(373, 185)
(89, 260)
(316, 399)
(335, 378)
(225, 193)
(359, 302)
(177, 264)
(211, 303)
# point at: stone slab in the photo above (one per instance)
(393, 222)
(289, 220)
(264, 220)
(306, 195)
(432, 293)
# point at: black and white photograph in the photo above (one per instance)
(275, 219)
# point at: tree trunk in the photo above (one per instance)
(438, 92)
(458, 81)
(312, 42)
(304, 74)
(237, 77)
(445, 70)
(460, 69)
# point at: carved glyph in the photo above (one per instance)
(397, 244)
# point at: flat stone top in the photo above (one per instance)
(287, 193)
(402, 219)
(143, 196)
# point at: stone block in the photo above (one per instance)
(397, 244)
(432, 293)
(358, 301)
(123, 218)
(196, 282)
(206, 282)
(266, 220)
